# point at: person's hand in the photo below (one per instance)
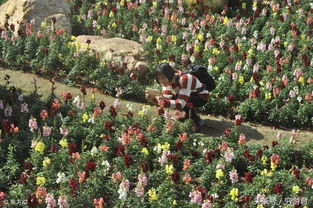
(150, 98)
(160, 101)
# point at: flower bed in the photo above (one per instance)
(95, 155)
(260, 52)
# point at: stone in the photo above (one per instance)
(116, 50)
(213, 5)
(21, 12)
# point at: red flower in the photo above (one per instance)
(5, 126)
(72, 148)
(230, 98)
(245, 199)
(83, 90)
(248, 177)
(144, 166)
(23, 178)
(102, 105)
(73, 184)
(31, 200)
(120, 150)
(175, 177)
(28, 166)
(274, 143)
(143, 142)
(202, 190)
(226, 132)
(108, 125)
(278, 189)
(259, 153)
(296, 172)
(209, 157)
(90, 165)
(113, 111)
(128, 160)
(179, 145)
(54, 149)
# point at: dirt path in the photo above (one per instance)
(214, 126)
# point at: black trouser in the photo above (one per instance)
(196, 101)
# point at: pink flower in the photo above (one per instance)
(98, 202)
(186, 164)
(63, 131)
(50, 201)
(46, 131)
(81, 176)
(183, 137)
(233, 175)
(32, 124)
(62, 202)
(275, 159)
(206, 204)
(196, 197)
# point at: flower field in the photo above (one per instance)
(259, 52)
(67, 151)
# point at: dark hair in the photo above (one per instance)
(164, 69)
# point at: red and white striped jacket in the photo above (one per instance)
(181, 90)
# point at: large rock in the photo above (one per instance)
(21, 12)
(213, 5)
(118, 50)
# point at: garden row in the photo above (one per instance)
(259, 52)
(63, 152)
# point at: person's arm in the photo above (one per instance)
(187, 83)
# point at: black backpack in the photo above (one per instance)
(202, 74)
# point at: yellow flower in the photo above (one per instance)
(40, 180)
(154, 4)
(40, 147)
(150, 38)
(159, 46)
(145, 151)
(225, 20)
(46, 162)
(255, 4)
(140, 113)
(78, 46)
(85, 117)
(63, 142)
(169, 169)
(73, 38)
(113, 24)
(251, 79)
(273, 166)
(152, 195)
(87, 46)
(93, 97)
(264, 160)
(268, 96)
(174, 38)
(215, 68)
(122, 3)
(43, 24)
(159, 40)
(102, 63)
(239, 46)
(197, 48)
(219, 174)
(302, 36)
(166, 147)
(296, 189)
(264, 172)
(200, 37)
(244, 5)
(215, 51)
(301, 80)
(234, 194)
(260, 206)
(111, 14)
(174, 202)
(250, 52)
(241, 79)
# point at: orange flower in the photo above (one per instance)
(186, 164)
(187, 178)
(104, 148)
(41, 194)
(183, 137)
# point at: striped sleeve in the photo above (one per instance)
(166, 92)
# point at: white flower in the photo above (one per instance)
(61, 178)
(129, 106)
(94, 151)
(91, 120)
(106, 165)
(158, 148)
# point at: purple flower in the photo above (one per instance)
(24, 108)
(8, 111)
